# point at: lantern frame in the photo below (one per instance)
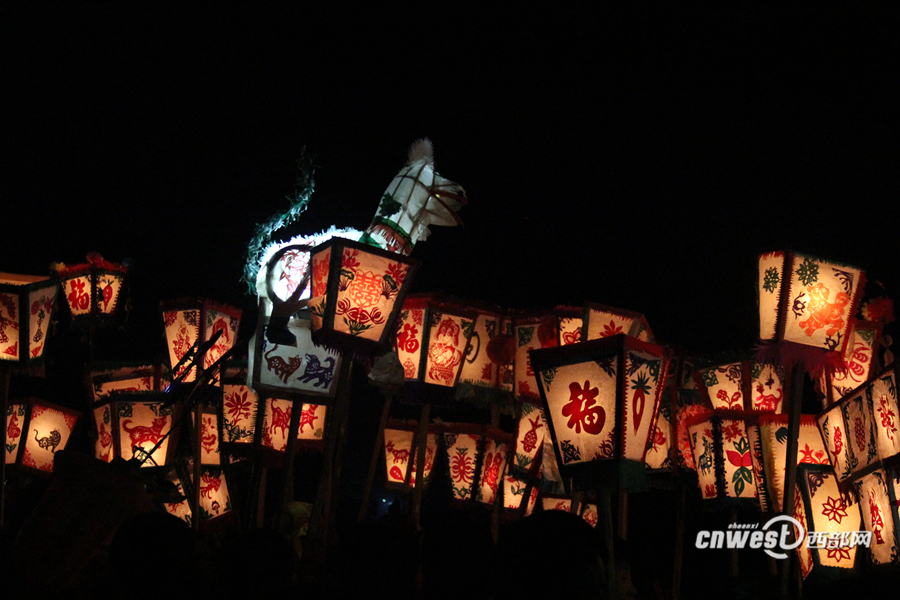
(881, 478)
(614, 471)
(95, 269)
(723, 483)
(16, 293)
(26, 445)
(115, 404)
(171, 311)
(637, 324)
(323, 307)
(407, 484)
(273, 456)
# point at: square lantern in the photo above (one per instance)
(830, 517)
(878, 506)
(484, 377)
(188, 321)
(432, 341)
(16, 423)
(723, 455)
(26, 307)
(92, 289)
(215, 501)
(601, 400)
(357, 293)
(277, 423)
(239, 406)
(181, 509)
(859, 360)
(807, 300)
(122, 379)
(532, 427)
(588, 512)
(462, 443)
(743, 385)
(560, 327)
(514, 493)
(773, 433)
(602, 321)
(130, 425)
(287, 371)
(49, 429)
(497, 444)
(400, 447)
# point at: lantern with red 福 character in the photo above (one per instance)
(92, 289)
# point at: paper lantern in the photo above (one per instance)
(239, 409)
(130, 425)
(189, 320)
(810, 450)
(357, 293)
(514, 493)
(602, 321)
(432, 339)
(529, 440)
(826, 513)
(493, 466)
(400, 454)
(878, 506)
(277, 424)
(881, 400)
(723, 455)
(588, 512)
(743, 385)
(26, 308)
(181, 509)
(757, 459)
(123, 379)
(601, 398)
(462, 443)
(659, 454)
(215, 501)
(210, 434)
(290, 370)
(483, 379)
(858, 362)
(807, 300)
(560, 327)
(49, 429)
(16, 423)
(92, 289)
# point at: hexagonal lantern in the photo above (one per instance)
(26, 308)
(92, 289)
(49, 429)
(432, 339)
(601, 398)
(806, 300)
(190, 320)
(357, 293)
(602, 321)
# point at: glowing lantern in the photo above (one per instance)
(659, 454)
(357, 293)
(181, 509)
(514, 490)
(773, 434)
(26, 307)
(130, 425)
(210, 434)
(214, 498)
(858, 360)
(806, 300)
(529, 440)
(881, 399)
(289, 370)
(432, 338)
(601, 398)
(49, 429)
(92, 289)
(588, 512)
(16, 413)
(493, 466)
(483, 378)
(826, 514)
(560, 327)
(400, 455)
(277, 424)
(239, 407)
(743, 385)
(461, 443)
(723, 455)
(124, 379)
(768, 383)
(876, 503)
(187, 321)
(602, 321)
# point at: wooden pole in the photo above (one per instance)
(790, 466)
(679, 542)
(376, 454)
(421, 449)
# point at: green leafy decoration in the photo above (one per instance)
(467, 327)
(549, 375)
(755, 370)
(808, 273)
(525, 334)
(709, 377)
(523, 461)
(772, 279)
(388, 205)
(781, 435)
(125, 410)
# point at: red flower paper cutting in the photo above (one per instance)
(835, 509)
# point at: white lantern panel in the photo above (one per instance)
(881, 396)
(875, 505)
(214, 498)
(766, 387)
(410, 338)
(49, 431)
(447, 343)
(724, 384)
(525, 382)
(861, 432)
(78, 293)
(462, 452)
(141, 426)
(15, 421)
(303, 367)
(41, 304)
(108, 287)
(182, 331)
(492, 470)
(103, 446)
(239, 404)
(182, 509)
(514, 491)
(771, 276)
(9, 326)
(530, 437)
(217, 320)
(831, 513)
(642, 388)
(477, 368)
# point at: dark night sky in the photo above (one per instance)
(640, 160)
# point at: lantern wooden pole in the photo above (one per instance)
(421, 449)
(790, 467)
(4, 401)
(376, 454)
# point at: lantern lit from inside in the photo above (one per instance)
(92, 288)
(49, 429)
(482, 377)
(493, 466)
(139, 423)
(400, 455)
(858, 362)
(881, 399)
(602, 321)
(773, 434)
(514, 492)
(357, 293)
(827, 514)
(124, 379)
(601, 399)
(181, 509)
(189, 321)
(432, 339)
(210, 435)
(214, 498)
(16, 424)
(239, 406)
(723, 455)
(461, 445)
(560, 327)
(529, 439)
(807, 300)
(26, 308)
(877, 505)
(588, 512)
(277, 423)
(659, 452)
